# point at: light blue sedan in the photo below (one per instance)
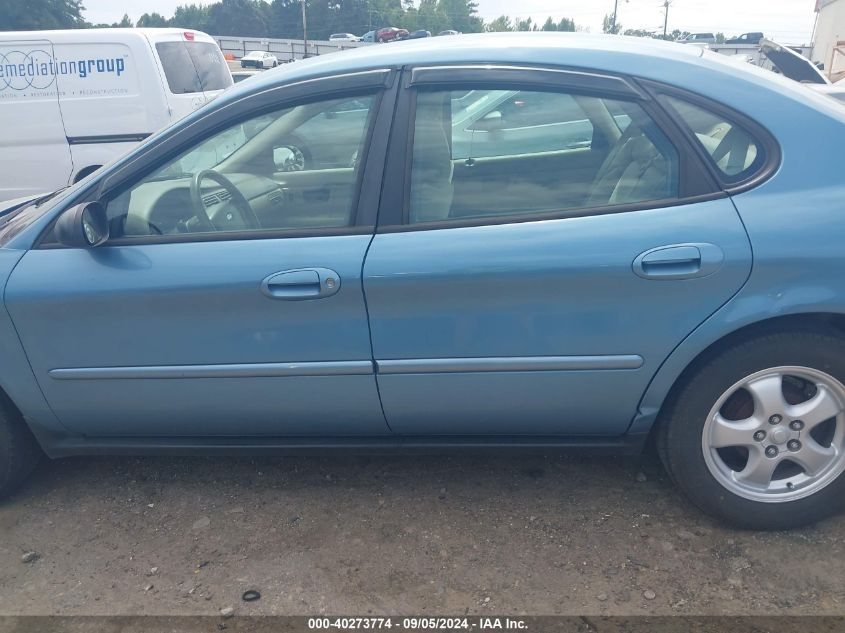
(676, 276)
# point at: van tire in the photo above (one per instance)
(19, 451)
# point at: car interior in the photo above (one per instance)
(297, 168)
(278, 171)
(622, 163)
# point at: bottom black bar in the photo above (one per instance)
(308, 624)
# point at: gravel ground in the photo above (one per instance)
(411, 535)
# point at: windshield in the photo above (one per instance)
(192, 67)
(16, 220)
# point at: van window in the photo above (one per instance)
(193, 67)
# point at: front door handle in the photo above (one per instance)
(301, 284)
(679, 261)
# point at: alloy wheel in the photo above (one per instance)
(777, 435)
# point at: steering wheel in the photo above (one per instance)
(237, 198)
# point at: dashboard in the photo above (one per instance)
(165, 207)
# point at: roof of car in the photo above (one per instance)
(641, 57)
(546, 48)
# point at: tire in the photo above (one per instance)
(19, 451)
(809, 368)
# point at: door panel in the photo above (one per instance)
(485, 307)
(549, 180)
(198, 317)
(179, 339)
(313, 195)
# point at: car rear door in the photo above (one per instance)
(238, 329)
(507, 303)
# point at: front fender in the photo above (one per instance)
(16, 376)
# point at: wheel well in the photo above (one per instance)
(828, 322)
(85, 171)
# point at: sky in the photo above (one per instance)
(787, 21)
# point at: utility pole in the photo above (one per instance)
(666, 4)
(615, 9)
(304, 32)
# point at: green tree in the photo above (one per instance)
(125, 22)
(502, 23)
(31, 15)
(608, 26)
(190, 16)
(245, 18)
(720, 38)
(549, 25)
(152, 20)
(567, 24)
(460, 15)
(524, 25)
(285, 19)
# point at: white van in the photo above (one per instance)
(72, 101)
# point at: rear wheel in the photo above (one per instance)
(19, 452)
(756, 435)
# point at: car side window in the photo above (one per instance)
(486, 153)
(293, 168)
(733, 150)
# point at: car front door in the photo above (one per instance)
(537, 292)
(221, 304)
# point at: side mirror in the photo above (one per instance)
(83, 226)
(490, 122)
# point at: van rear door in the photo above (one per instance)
(34, 153)
(194, 70)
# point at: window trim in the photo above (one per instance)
(696, 183)
(380, 83)
(584, 82)
(766, 141)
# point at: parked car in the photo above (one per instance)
(72, 101)
(344, 37)
(698, 38)
(678, 276)
(391, 33)
(369, 36)
(792, 64)
(415, 35)
(240, 75)
(746, 38)
(449, 32)
(259, 59)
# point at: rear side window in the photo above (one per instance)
(193, 67)
(486, 153)
(736, 154)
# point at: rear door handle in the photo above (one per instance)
(301, 284)
(679, 261)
